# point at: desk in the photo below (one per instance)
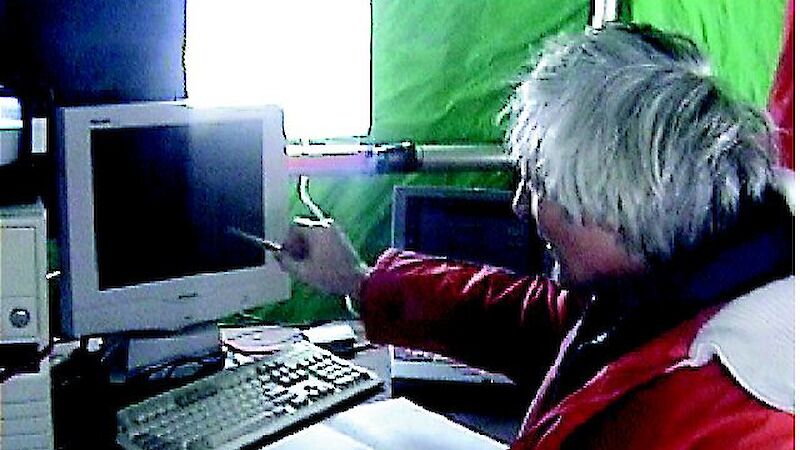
(85, 404)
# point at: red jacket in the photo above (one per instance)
(647, 399)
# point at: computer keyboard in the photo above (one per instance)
(239, 406)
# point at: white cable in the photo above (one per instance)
(305, 197)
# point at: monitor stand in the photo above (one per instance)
(158, 356)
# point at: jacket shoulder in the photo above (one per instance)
(700, 408)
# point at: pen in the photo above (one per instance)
(267, 244)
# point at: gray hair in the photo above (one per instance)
(626, 127)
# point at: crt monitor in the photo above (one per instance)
(149, 195)
(473, 225)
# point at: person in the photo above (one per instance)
(670, 324)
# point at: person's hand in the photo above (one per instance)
(318, 253)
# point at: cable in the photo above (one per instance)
(305, 197)
(28, 366)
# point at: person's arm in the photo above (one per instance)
(482, 315)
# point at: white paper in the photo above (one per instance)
(395, 424)
(319, 436)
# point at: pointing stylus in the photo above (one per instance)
(267, 244)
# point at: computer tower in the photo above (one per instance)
(24, 310)
(26, 421)
(26, 417)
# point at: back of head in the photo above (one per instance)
(625, 126)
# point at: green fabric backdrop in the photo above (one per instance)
(743, 38)
(442, 70)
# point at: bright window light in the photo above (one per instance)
(311, 57)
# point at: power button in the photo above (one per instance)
(20, 318)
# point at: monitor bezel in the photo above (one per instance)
(176, 303)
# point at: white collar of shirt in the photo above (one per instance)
(753, 337)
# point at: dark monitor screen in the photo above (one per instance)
(466, 224)
(166, 198)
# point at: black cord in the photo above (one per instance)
(28, 365)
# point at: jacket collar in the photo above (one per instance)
(753, 337)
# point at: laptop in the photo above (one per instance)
(472, 225)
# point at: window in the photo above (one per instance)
(311, 57)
